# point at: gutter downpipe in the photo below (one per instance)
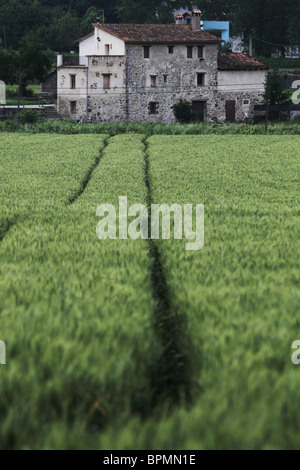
(127, 83)
(87, 94)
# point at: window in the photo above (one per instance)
(73, 81)
(171, 49)
(153, 107)
(73, 107)
(106, 49)
(189, 51)
(146, 52)
(200, 79)
(165, 78)
(153, 80)
(246, 102)
(200, 52)
(188, 21)
(106, 80)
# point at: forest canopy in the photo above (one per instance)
(59, 23)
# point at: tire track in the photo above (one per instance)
(171, 372)
(6, 224)
(88, 176)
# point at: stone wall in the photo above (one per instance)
(254, 98)
(145, 89)
(95, 103)
(176, 77)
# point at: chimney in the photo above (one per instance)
(196, 18)
(59, 60)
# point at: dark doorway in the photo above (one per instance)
(198, 107)
(230, 110)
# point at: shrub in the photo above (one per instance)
(183, 111)
(11, 93)
(225, 47)
(28, 116)
(28, 92)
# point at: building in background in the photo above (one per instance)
(138, 72)
(218, 28)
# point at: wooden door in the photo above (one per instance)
(230, 110)
(198, 107)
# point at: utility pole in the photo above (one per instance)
(250, 45)
(87, 95)
(267, 117)
(98, 18)
(267, 105)
(19, 96)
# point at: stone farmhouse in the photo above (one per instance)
(131, 72)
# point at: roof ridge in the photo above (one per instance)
(157, 33)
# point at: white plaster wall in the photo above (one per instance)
(239, 80)
(86, 47)
(92, 46)
(64, 82)
(114, 66)
(116, 45)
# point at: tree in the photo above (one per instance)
(275, 89)
(293, 25)
(8, 66)
(64, 32)
(225, 47)
(268, 21)
(219, 10)
(60, 22)
(89, 18)
(149, 11)
(31, 60)
(17, 18)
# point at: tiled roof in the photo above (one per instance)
(158, 33)
(238, 61)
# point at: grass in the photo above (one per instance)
(88, 324)
(148, 129)
(12, 96)
(75, 311)
(14, 88)
(27, 101)
(240, 293)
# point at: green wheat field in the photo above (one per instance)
(140, 344)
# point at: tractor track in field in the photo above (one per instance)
(171, 374)
(88, 175)
(5, 225)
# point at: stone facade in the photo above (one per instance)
(244, 87)
(95, 102)
(175, 77)
(143, 86)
